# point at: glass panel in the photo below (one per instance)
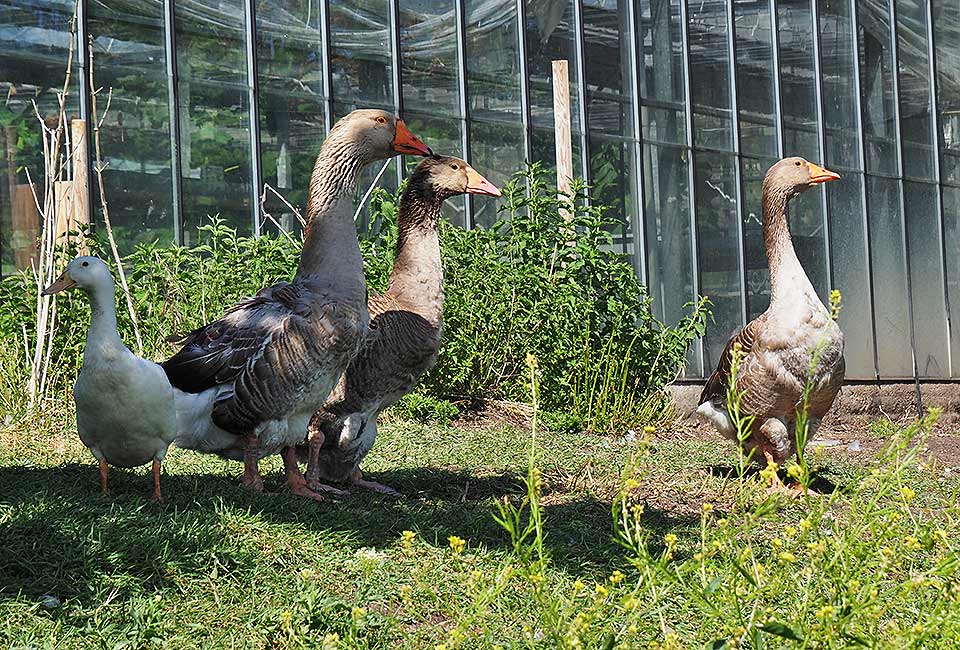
(360, 54)
(214, 105)
(798, 79)
(710, 73)
(611, 163)
(851, 273)
(946, 28)
(838, 78)
(889, 278)
(291, 95)
(756, 79)
(876, 87)
(550, 36)
(662, 76)
(497, 152)
(916, 122)
(34, 41)
(719, 241)
(666, 198)
(926, 279)
(493, 59)
(607, 45)
(752, 172)
(951, 236)
(129, 58)
(428, 49)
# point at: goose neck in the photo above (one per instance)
(330, 248)
(417, 275)
(786, 272)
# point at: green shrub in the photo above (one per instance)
(536, 282)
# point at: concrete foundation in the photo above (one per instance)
(861, 403)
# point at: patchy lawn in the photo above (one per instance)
(703, 558)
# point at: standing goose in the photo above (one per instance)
(125, 409)
(778, 346)
(251, 381)
(404, 336)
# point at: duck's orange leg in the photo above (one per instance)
(156, 482)
(104, 475)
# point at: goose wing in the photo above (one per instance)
(715, 389)
(266, 350)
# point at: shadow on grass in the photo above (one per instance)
(60, 536)
(819, 483)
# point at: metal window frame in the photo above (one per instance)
(460, 10)
(397, 59)
(777, 85)
(939, 145)
(521, 6)
(326, 62)
(864, 194)
(904, 232)
(584, 135)
(253, 93)
(637, 216)
(691, 180)
(82, 62)
(821, 140)
(173, 99)
(737, 157)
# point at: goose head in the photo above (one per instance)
(446, 176)
(792, 176)
(377, 135)
(87, 273)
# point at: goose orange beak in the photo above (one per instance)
(477, 184)
(406, 142)
(820, 175)
(63, 282)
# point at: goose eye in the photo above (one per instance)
(381, 120)
(454, 166)
(797, 163)
(86, 264)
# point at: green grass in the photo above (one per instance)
(216, 566)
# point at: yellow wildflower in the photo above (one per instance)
(907, 493)
(912, 542)
(457, 544)
(358, 613)
(616, 577)
(787, 557)
(707, 507)
(601, 590)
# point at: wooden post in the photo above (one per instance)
(72, 198)
(561, 122)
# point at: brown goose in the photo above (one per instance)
(778, 345)
(404, 335)
(248, 383)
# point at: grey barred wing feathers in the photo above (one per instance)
(715, 389)
(266, 352)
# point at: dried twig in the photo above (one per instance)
(97, 121)
(363, 201)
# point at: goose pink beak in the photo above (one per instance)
(819, 174)
(63, 282)
(406, 142)
(477, 184)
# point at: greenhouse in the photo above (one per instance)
(678, 110)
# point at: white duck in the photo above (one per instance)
(251, 381)
(404, 336)
(125, 408)
(779, 344)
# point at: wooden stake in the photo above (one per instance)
(561, 122)
(81, 174)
